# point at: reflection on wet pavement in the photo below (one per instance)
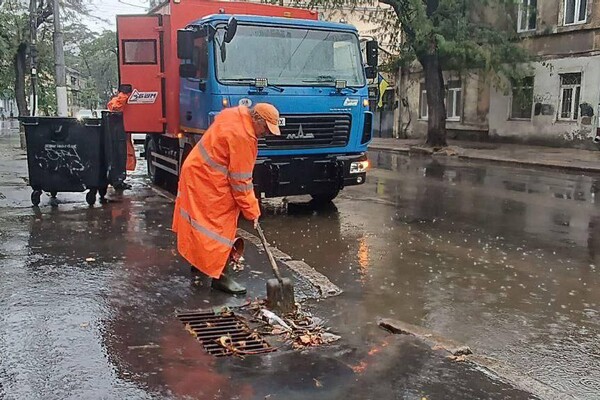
(503, 259)
(89, 295)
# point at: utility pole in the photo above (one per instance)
(33, 54)
(59, 62)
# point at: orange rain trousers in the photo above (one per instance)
(215, 185)
(117, 104)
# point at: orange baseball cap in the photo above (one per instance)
(271, 116)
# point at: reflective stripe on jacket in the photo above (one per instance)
(215, 185)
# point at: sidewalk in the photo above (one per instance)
(537, 156)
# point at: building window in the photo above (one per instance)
(570, 93)
(575, 11)
(453, 100)
(423, 110)
(527, 15)
(522, 98)
(139, 52)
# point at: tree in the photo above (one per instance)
(95, 56)
(21, 20)
(441, 35)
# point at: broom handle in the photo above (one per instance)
(263, 239)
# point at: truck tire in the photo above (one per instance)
(324, 198)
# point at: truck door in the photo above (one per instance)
(141, 66)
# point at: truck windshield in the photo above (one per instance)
(291, 56)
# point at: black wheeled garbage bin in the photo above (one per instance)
(67, 155)
(115, 147)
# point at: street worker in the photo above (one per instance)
(117, 104)
(215, 185)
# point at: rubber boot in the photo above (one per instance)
(226, 283)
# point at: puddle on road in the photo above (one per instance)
(503, 259)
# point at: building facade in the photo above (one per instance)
(556, 104)
(75, 86)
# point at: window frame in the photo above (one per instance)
(512, 99)
(423, 101)
(457, 105)
(576, 12)
(154, 46)
(527, 11)
(575, 100)
(457, 109)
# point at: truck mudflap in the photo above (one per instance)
(290, 176)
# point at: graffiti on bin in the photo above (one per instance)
(61, 158)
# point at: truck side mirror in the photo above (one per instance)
(185, 44)
(231, 30)
(187, 70)
(372, 53)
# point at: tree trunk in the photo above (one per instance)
(20, 65)
(436, 93)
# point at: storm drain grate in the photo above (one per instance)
(224, 334)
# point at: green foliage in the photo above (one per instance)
(465, 34)
(15, 39)
(95, 56)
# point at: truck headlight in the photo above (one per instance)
(359, 167)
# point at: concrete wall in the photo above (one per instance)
(547, 128)
(474, 107)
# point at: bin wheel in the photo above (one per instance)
(36, 197)
(90, 197)
(53, 201)
(102, 193)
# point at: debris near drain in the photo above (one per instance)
(300, 328)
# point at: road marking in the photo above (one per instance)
(325, 287)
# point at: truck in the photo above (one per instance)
(186, 60)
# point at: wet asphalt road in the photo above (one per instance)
(499, 258)
(504, 259)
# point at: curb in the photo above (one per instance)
(524, 163)
(489, 365)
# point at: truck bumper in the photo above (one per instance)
(289, 176)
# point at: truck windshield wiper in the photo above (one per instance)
(241, 80)
(321, 79)
(328, 79)
(251, 81)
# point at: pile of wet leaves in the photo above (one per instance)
(300, 329)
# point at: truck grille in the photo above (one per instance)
(302, 131)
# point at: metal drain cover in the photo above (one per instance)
(224, 334)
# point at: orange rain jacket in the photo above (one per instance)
(117, 104)
(215, 185)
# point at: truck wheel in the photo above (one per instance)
(324, 198)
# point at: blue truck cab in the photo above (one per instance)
(312, 71)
